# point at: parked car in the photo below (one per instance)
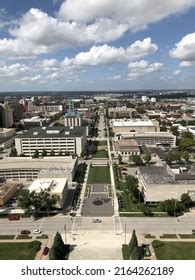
(45, 251)
(25, 231)
(37, 231)
(97, 221)
(14, 217)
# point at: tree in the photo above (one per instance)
(120, 159)
(172, 206)
(173, 156)
(135, 254)
(147, 157)
(13, 152)
(57, 251)
(133, 242)
(24, 200)
(44, 153)
(60, 153)
(136, 159)
(36, 154)
(186, 200)
(186, 156)
(132, 186)
(163, 128)
(174, 130)
(52, 154)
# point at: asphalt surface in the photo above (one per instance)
(141, 225)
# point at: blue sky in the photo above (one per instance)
(97, 44)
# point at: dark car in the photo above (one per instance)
(45, 251)
(25, 231)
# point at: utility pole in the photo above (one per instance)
(65, 234)
(125, 234)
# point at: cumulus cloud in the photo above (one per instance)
(141, 68)
(185, 64)
(177, 72)
(81, 23)
(185, 49)
(136, 13)
(13, 69)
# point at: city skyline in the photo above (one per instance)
(97, 45)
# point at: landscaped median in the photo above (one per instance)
(99, 175)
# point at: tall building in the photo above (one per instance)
(6, 115)
(72, 117)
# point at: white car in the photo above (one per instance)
(37, 231)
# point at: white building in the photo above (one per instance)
(23, 168)
(57, 186)
(150, 139)
(134, 125)
(57, 139)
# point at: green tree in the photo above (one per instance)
(173, 156)
(57, 251)
(186, 156)
(13, 152)
(147, 157)
(24, 200)
(163, 128)
(120, 159)
(174, 130)
(172, 206)
(36, 154)
(60, 153)
(135, 254)
(133, 242)
(136, 159)
(44, 153)
(186, 200)
(52, 154)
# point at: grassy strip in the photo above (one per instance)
(99, 175)
(24, 236)
(187, 236)
(150, 236)
(4, 237)
(43, 236)
(169, 236)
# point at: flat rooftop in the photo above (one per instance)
(64, 163)
(5, 187)
(53, 132)
(55, 185)
(133, 123)
(158, 175)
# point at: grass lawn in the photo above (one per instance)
(169, 236)
(19, 251)
(187, 236)
(7, 236)
(101, 154)
(43, 236)
(174, 250)
(99, 175)
(24, 236)
(150, 236)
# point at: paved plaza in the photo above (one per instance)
(98, 203)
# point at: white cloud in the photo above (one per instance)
(185, 64)
(185, 49)
(30, 79)
(108, 54)
(13, 69)
(136, 13)
(82, 22)
(117, 77)
(141, 68)
(177, 72)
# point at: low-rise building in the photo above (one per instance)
(7, 191)
(6, 137)
(126, 148)
(149, 139)
(121, 112)
(23, 168)
(158, 183)
(56, 139)
(134, 125)
(56, 186)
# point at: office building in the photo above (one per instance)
(6, 115)
(52, 139)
